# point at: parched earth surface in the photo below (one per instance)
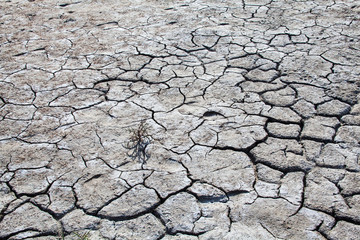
(201, 119)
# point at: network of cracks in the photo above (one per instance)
(168, 120)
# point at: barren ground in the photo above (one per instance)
(194, 119)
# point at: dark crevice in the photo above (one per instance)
(93, 177)
(323, 234)
(230, 218)
(107, 23)
(236, 192)
(284, 170)
(30, 229)
(34, 194)
(151, 210)
(127, 218)
(185, 233)
(100, 140)
(210, 199)
(262, 225)
(315, 139)
(212, 114)
(5, 210)
(336, 216)
(55, 215)
(302, 196)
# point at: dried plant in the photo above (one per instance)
(139, 140)
(84, 236)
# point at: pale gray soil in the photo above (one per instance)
(249, 112)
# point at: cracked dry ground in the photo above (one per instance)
(252, 108)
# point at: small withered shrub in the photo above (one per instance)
(138, 141)
(84, 236)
